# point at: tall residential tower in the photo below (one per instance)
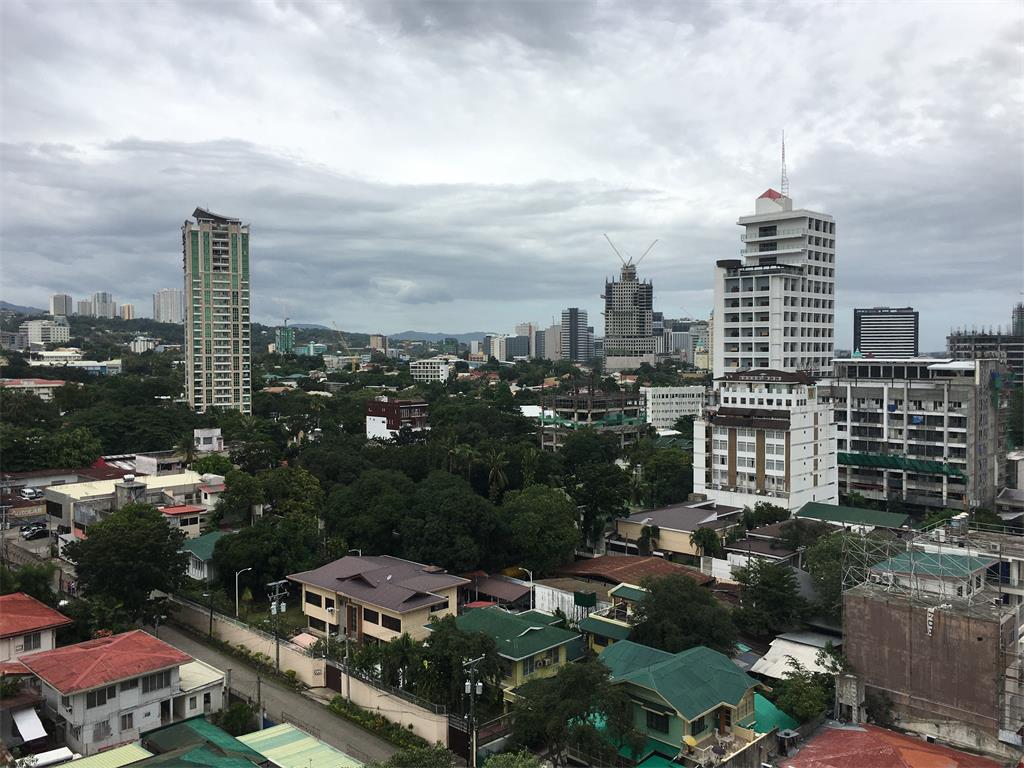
(577, 342)
(775, 306)
(217, 333)
(628, 321)
(168, 306)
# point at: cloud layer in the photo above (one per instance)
(451, 166)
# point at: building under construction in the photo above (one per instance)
(933, 624)
(618, 413)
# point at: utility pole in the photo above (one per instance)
(259, 700)
(473, 689)
(276, 592)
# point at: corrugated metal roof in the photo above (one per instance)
(290, 747)
(833, 513)
(114, 758)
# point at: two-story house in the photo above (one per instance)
(110, 690)
(667, 531)
(605, 627)
(529, 643)
(376, 598)
(27, 626)
(190, 519)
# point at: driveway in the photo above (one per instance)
(279, 701)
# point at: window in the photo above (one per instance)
(698, 726)
(657, 721)
(390, 622)
(529, 665)
(156, 682)
(371, 617)
(318, 624)
(65, 702)
(129, 685)
(32, 642)
(192, 702)
(99, 698)
(313, 599)
(328, 603)
(440, 606)
(127, 721)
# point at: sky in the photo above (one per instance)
(452, 166)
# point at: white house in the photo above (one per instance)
(27, 626)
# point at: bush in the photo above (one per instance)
(376, 723)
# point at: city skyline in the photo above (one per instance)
(486, 203)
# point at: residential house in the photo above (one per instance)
(110, 690)
(762, 543)
(686, 703)
(376, 598)
(211, 489)
(628, 569)
(605, 627)
(27, 626)
(190, 519)
(857, 519)
(208, 440)
(497, 590)
(675, 525)
(200, 555)
(529, 643)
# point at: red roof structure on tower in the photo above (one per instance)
(21, 614)
(771, 194)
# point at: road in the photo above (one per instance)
(278, 700)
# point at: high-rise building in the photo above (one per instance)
(628, 321)
(885, 331)
(168, 305)
(284, 340)
(218, 341)
(552, 343)
(518, 347)
(1000, 343)
(61, 305)
(84, 308)
(529, 329)
(379, 342)
(775, 306)
(127, 311)
(103, 305)
(577, 338)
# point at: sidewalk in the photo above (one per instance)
(279, 701)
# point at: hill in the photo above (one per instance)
(6, 306)
(464, 338)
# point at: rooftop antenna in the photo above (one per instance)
(615, 249)
(785, 176)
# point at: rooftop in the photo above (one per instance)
(888, 461)
(935, 564)
(202, 546)
(114, 758)
(832, 513)
(503, 589)
(685, 517)
(182, 509)
(288, 747)
(517, 636)
(105, 660)
(196, 742)
(856, 746)
(21, 614)
(629, 569)
(32, 383)
(390, 582)
(768, 376)
(203, 213)
(98, 488)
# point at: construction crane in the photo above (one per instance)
(629, 262)
(344, 345)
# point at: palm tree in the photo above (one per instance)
(638, 489)
(449, 450)
(495, 462)
(187, 447)
(706, 541)
(529, 462)
(648, 539)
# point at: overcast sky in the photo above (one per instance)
(451, 166)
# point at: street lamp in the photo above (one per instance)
(237, 574)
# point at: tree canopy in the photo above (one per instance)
(678, 613)
(541, 522)
(770, 600)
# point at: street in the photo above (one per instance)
(278, 701)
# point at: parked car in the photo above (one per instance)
(36, 533)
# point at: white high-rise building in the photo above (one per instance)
(168, 305)
(885, 331)
(552, 343)
(84, 308)
(775, 306)
(217, 327)
(103, 305)
(61, 305)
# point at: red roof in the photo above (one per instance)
(182, 509)
(104, 660)
(771, 194)
(21, 614)
(32, 382)
(13, 668)
(630, 569)
(879, 748)
(216, 488)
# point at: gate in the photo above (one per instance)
(458, 736)
(333, 678)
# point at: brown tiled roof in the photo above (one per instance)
(630, 569)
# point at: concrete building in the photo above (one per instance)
(438, 368)
(127, 311)
(41, 388)
(84, 308)
(284, 340)
(920, 430)
(27, 626)
(55, 331)
(208, 440)
(666, 405)
(386, 417)
(59, 356)
(217, 327)
(61, 305)
(617, 413)
(518, 347)
(379, 342)
(13, 341)
(141, 344)
(628, 321)
(1005, 344)
(169, 306)
(111, 690)
(577, 338)
(886, 332)
(103, 305)
(530, 331)
(552, 343)
(675, 524)
(775, 306)
(771, 438)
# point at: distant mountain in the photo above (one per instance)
(310, 326)
(464, 338)
(8, 307)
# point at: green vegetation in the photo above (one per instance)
(657, 623)
(381, 726)
(770, 600)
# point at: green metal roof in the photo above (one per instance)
(539, 616)
(768, 716)
(626, 656)
(196, 742)
(933, 564)
(596, 626)
(692, 682)
(202, 546)
(517, 636)
(290, 747)
(886, 461)
(815, 510)
(114, 758)
(628, 592)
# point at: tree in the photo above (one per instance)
(764, 513)
(241, 493)
(801, 693)
(669, 475)
(444, 655)
(496, 463)
(520, 759)
(586, 447)
(293, 491)
(769, 598)
(434, 756)
(684, 425)
(825, 564)
(657, 618)
(542, 523)
(213, 464)
(237, 719)
(273, 547)
(798, 532)
(707, 542)
(369, 512)
(255, 455)
(601, 491)
(648, 540)
(129, 555)
(35, 580)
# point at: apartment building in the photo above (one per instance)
(111, 690)
(429, 369)
(576, 336)
(169, 306)
(886, 331)
(386, 417)
(376, 599)
(61, 305)
(666, 405)
(617, 413)
(770, 438)
(924, 431)
(127, 312)
(218, 343)
(55, 331)
(103, 305)
(775, 306)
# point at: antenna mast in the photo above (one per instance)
(785, 176)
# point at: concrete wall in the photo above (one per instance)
(433, 728)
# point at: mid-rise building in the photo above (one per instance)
(885, 331)
(103, 305)
(13, 341)
(168, 306)
(84, 308)
(141, 344)
(925, 432)
(770, 438)
(518, 347)
(379, 342)
(577, 338)
(628, 321)
(61, 305)
(552, 343)
(218, 339)
(616, 413)
(386, 417)
(1005, 344)
(666, 405)
(775, 306)
(438, 368)
(55, 331)
(530, 331)
(41, 388)
(284, 340)
(127, 311)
